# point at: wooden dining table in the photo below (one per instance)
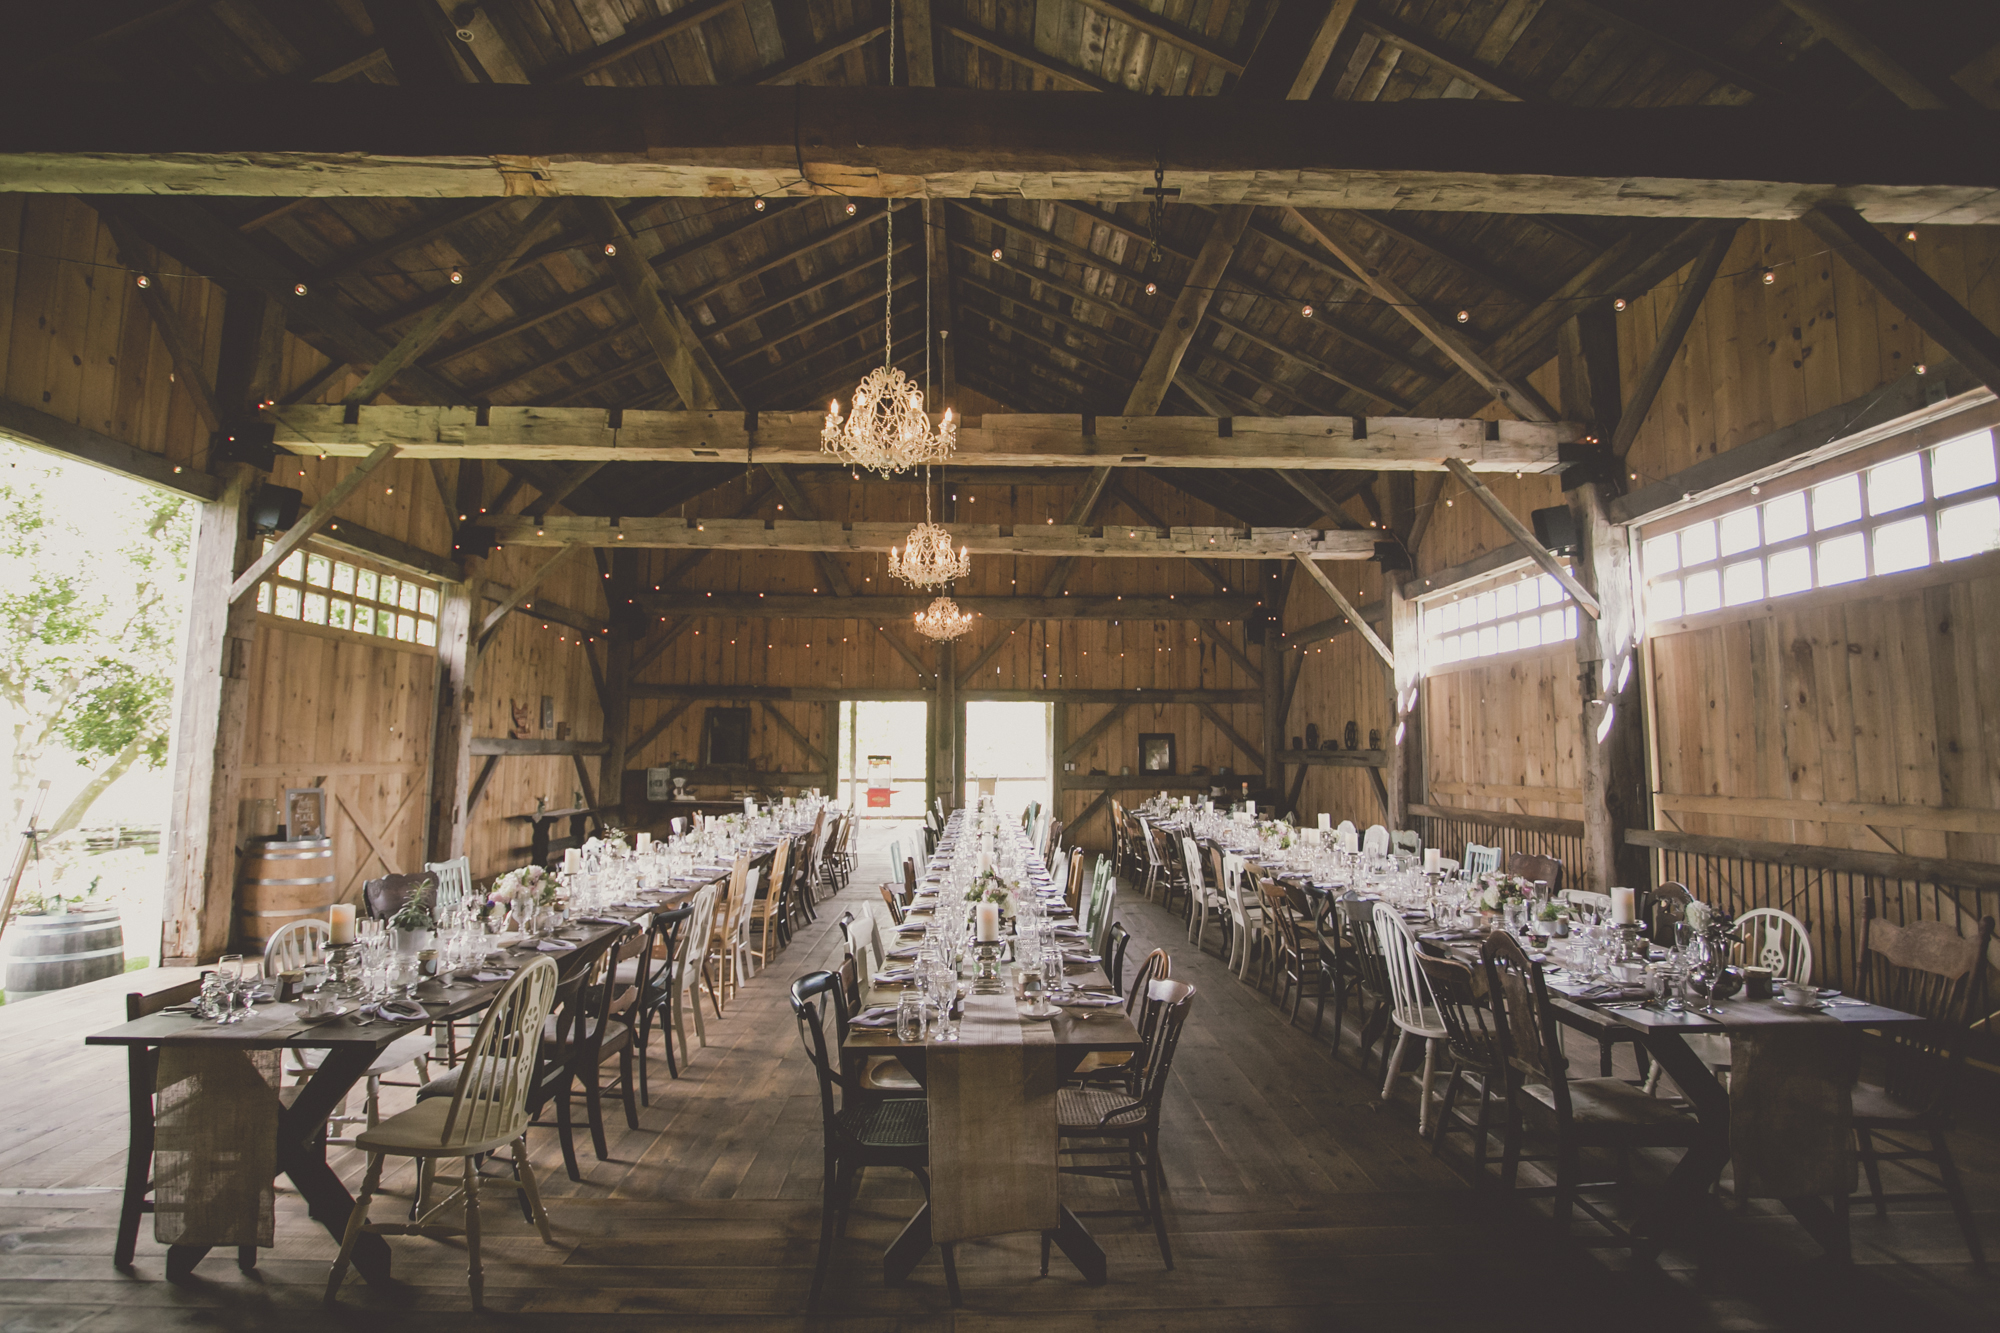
(352, 1043)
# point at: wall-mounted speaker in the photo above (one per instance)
(1555, 528)
(275, 509)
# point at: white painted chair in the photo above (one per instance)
(1590, 900)
(486, 1113)
(1414, 1011)
(1155, 870)
(453, 876)
(1204, 897)
(1246, 916)
(1376, 841)
(1345, 828)
(745, 969)
(1407, 840)
(691, 965)
(1774, 938)
(1481, 860)
(301, 944)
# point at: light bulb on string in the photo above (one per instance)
(757, 204)
(1306, 311)
(1465, 316)
(610, 247)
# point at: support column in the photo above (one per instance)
(945, 722)
(211, 707)
(626, 626)
(451, 754)
(829, 730)
(1271, 661)
(1404, 780)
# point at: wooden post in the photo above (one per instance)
(451, 754)
(626, 625)
(1404, 781)
(829, 728)
(211, 710)
(944, 726)
(1271, 657)
(1058, 744)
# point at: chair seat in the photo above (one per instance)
(1878, 1108)
(418, 1132)
(885, 1073)
(1078, 1110)
(900, 1122)
(1094, 1061)
(1610, 1103)
(1425, 1024)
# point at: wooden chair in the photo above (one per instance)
(1246, 914)
(142, 1069)
(1584, 1113)
(691, 968)
(909, 880)
(894, 904)
(1173, 867)
(1149, 848)
(1108, 1122)
(385, 896)
(1926, 968)
(1117, 1067)
(454, 876)
(730, 948)
(299, 944)
(1073, 884)
(652, 972)
(768, 913)
(1303, 966)
(858, 1131)
(870, 1075)
(596, 1028)
(1412, 1008)
(1100, 930)
(1469, 1042)
(1774, 938)
(487, 1112)
(1536, 869)
(1481, 860)
(1120, 852)
(1204, 894)
(1114, 960)
(1361, 969)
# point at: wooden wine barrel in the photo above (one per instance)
(279, 883)
(55, 952)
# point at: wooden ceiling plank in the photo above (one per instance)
(792, 68)
(777, 336)
(1858, 45)
(1081, 511)
(521, 324)
(779, 302)
(638, 37)
(1327, 503)
(421, 232)
(1475, 267)
(737, 276)
(1190, 305)
(183, 349)
(484, 392)
(1711, 56)
(881, 609)
(584, 388)
(1432, 51)
(1029, 58)
(846, 375)
(1310, 364)
(1144, 20)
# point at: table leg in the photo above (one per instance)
(1082, 1249)
(909, 1248)
(181, 1260)
(1827, 1225)
(1687, 1186)
(302, 1155)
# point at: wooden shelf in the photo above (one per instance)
(498, 745)
(1339, 758)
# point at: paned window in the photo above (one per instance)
(1924, 508)
(334, 591)
(1521, 609)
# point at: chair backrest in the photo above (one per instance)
(1357, 915)
(1073, 890)
(781, 875)
(909, 879)
(1191, 860)
(740, 922)
(490, 1103)
(1666, 906)
(812, 994)
(742, 886)
(895, 904)
(1156, 966)
(139, 1005)
(1774, 938)
(1100, 934)
(1093, 908)
(1589, 899)
(662, 954)
(1114, 961)
(1524, 1023)
(453, 876)
(1408, 992)
(1376, 841)
(1538, 869)
(694, 939)
(1407, 840)
(1168, 1004)
(1455, 992)
(1481, 860)
(1930, 969)
(1345, 828)
(296, 946)
(384, 896)
(895, 859)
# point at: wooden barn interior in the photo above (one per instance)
(1352, 390)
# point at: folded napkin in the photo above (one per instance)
(914, 932)
(1089, 1000)
(1069, 957)
(1068, 933)
(400, 1011)
(606, 920)
(481, 976)
(907, 951)
(713, 870)
(894, 976)
(879, 1016)
(554, 946)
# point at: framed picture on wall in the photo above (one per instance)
(305, 813)
(725, 736)
(1156, 752)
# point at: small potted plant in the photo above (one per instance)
(410, 929)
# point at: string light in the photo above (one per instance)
(757, 204)
(1306, 311)
(457, 278)
(850, 208)
(298, 289)
(1769, 275)
(1152, 289)
(1617, 303)
(145, 281)
(610, 247)
(1910, 235)
(1465, 316)
(996, 253)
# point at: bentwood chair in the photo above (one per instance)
(1469, 1041)
(1414, 1010)
(299, 944)
(385, 896)
(651, 973)
(859, 1131)
(1364, 971)
(1303, 967)
(1584, 1113)
(1205, 893)
(1536, 869)
(598, 1027)
(1117, 1067)
(1098, 1122)
(486, 1112)
(1931, 969)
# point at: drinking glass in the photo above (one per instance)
(910, 1016)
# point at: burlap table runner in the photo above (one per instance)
(215, 1145)
(992, 1100)
(1791, 1103)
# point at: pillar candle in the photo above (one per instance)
(1623, 902)
(1250, 808)
(988, 917)
(572, 861)
(1430, 859)
(1325, 820)
(645, 841)
(750, 806)
(341, 917)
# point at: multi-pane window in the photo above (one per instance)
(331, 591)
(1924, 508)
(1518, 610)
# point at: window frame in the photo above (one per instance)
(1509, 576)
(299, 588)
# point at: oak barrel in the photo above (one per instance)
(282, 882)
(63, 949)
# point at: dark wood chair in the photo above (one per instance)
(142, 1068)
(1118, 1068)
(1666, 906)
(1469, 1042)
(1303, 967)
(1097, 1121)
(606, 1019)
(385, 896)
(1114, 957)
(890, 896)
(1927, 968)
(1584, 1113)
(1361, 969)
(859, 1131)
(1536, 869)
(650, 971)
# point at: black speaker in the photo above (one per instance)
(473, 539)
(1555, 528)
(252, 442)
(275, 509)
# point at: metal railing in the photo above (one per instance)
(1450, 828)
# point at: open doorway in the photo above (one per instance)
(1008, 750)
(883, 757)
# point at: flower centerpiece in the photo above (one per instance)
(1501, 890)
(412, 925)
(518, 892)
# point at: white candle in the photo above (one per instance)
(572, 861)
(1430, 859)
(645, 841)
(988, 917)
(1623, 905)
(750, 806)
(341, 917)
(1325, 820)
(1250, 808)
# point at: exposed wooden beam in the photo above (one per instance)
(919, 43)
(986, 654)
(1346, 608)
(539, 220)
(1310, 364)
(309, 523)
(1122, 494)
(818, 282)
(1146, 21)
(182, 351)
(1524, 538)
(1858, 45)
(1432, 52)
(1221, 724)
(1892, 272)
(428, 228)
(561, 491)
(1668, 344)
(1081, 744)
(1190, 304)
(643, 142)
(659, 724)
(1080, 511)
(513, 328)
(829, 568)
(1232, 652)
(794, 67)
(65, 439)
(1029, 58)
(799, 739)
(637, 37)
(1137, 698)
(1472, 266)
(1056, 283)
(693, 372)
(506, 745)
(793, 606)
(1327, 503)
(516, 596)
(1368, 444)
(1518, 395)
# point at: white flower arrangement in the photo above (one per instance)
(519, 888)
(1697, 916)
(1503, 889)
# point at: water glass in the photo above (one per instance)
(910, 1016)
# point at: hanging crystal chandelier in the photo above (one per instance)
(926, 559)
(887, 430)
(943, 621)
